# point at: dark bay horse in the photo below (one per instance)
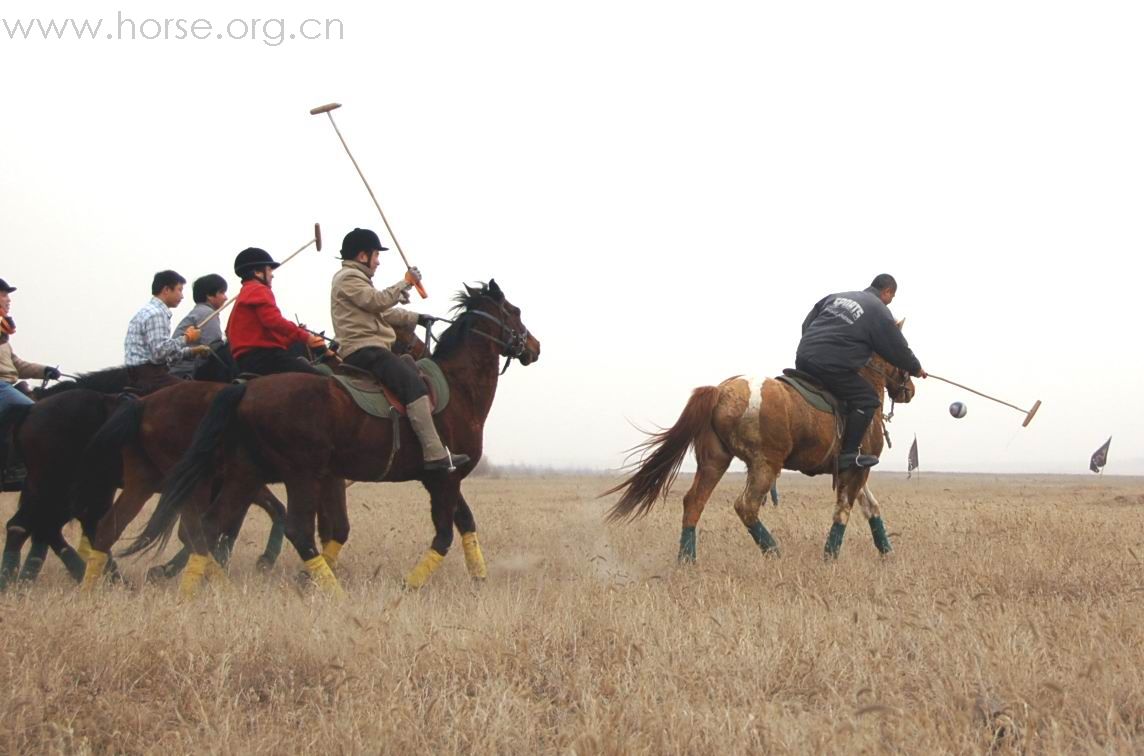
(767, 424)
(307, 432)
(51, 436)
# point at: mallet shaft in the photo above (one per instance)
(975, 391)
(326, 109)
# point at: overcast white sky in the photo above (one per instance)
(664, 189)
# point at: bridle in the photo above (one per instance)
(513, 343)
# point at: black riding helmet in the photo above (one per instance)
(251, 258)
(360, 240)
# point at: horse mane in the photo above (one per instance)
(110, 380)
(466, 300)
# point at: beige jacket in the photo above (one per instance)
(12, 368)
(364, 316)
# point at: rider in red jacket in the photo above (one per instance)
(258, 334)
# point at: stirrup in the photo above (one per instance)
(447, 463)
(855, 459)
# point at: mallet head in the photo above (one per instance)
(318, 236)
(1029, 417)
(325, 108)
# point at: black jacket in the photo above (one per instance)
(843, 330)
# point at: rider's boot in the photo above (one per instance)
(435, 454)
(857, 421)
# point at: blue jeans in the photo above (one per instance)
(10, 397)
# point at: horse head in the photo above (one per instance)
(503, 325)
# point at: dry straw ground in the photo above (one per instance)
(1009, 619)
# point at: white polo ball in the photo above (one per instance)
(958, 410)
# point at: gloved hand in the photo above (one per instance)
(51, 374)
(412, 275)
(426, 320)
(316, 342)
(404, 295)
(200, 350)
(192, 335)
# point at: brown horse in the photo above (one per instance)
(767, 424)
(307, 432)
(144, 440)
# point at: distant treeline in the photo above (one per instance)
(487, 469)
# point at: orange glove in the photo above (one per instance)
(316, 342)
(192, 335)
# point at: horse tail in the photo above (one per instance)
(657, 470)
(101, 464)
(195, 465)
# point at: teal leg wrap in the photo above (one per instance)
(834, 540)
(223, 549)
(9, 566)
(177, 563)
(35, 561)
(763, 537)
(72, 563)
(273, 544)
(687, 546)
(881, 540)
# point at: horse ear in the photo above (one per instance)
(471, 291)
(494, 289)
(901, 323)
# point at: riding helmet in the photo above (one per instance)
(252, 257)
(360, 240)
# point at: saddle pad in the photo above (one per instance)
(815, 396)
(376, 400)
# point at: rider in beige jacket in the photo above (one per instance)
(364, 318)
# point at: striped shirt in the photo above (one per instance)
(149, 341)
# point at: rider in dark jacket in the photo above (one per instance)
(839, 336)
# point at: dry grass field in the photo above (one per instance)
(1010, 619)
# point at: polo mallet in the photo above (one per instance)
(334, 106)
(317, 241)
(1028, 413)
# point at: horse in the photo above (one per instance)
(51, 435)
(767, 424)
(261, 436)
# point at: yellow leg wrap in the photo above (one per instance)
(321, 574)
(330, 552)
(216, 573)
(96, 563)
(84, 549)
(193, 576)
(426, 567)
(474, 559)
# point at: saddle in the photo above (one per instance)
(815, 394)
(377, 400)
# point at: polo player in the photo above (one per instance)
(259, 335)
(364, 320)
(149, 350)
(838, 338)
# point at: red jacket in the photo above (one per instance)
(256, 322)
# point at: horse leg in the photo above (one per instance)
(466, 525)
(269, 503)
(712, 459)
(140, 481)
(847, 491)
(334, 526)
(35, 561)
(19, 530)
(73, 563)
(306, 496)
(444, 491)
(873, 514)
(759, 480)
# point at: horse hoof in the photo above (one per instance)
(157, 575)
(264, 564)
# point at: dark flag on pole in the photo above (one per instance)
(913, 458)
(1100, 457)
